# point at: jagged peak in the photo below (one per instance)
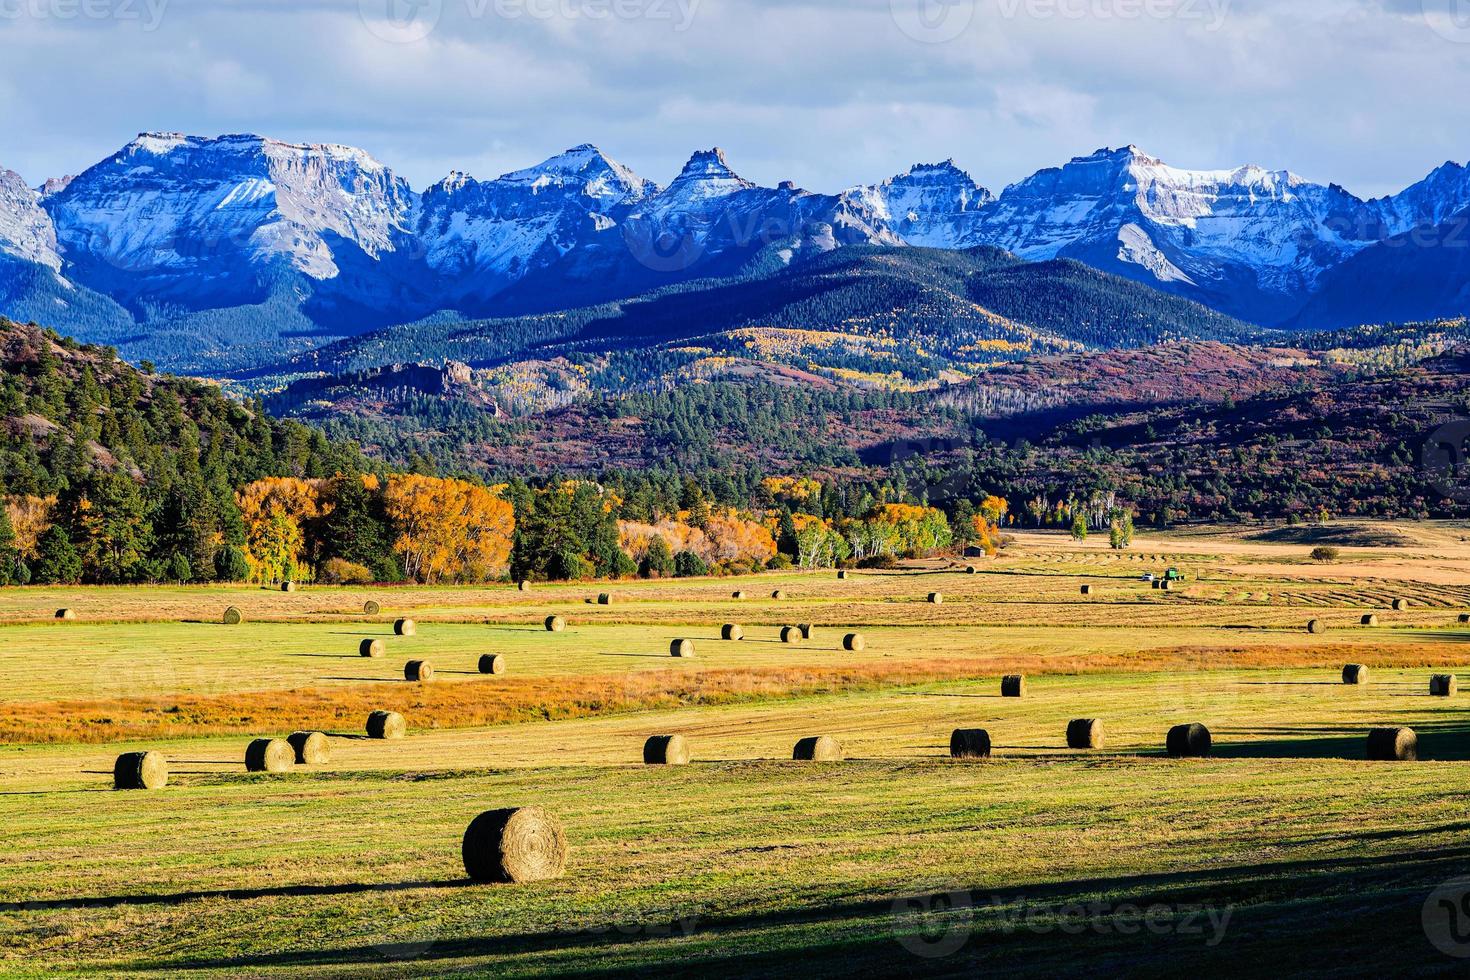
(165, 143)
(708, 165)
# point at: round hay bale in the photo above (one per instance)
(492, 663)
(971, 570)
(1354, 674)
(418, 670)
(269, 755)
(818, 748)
(778, 594)
(935, 598)
(1399, 605)
(604, 599)
(1087, 590)
(555, 624)
(66, 614)
(969, 743)
(842, 574)
(681, 648)
(1188, 741)
(791, 634)
(666, 750)
(311, 748)
(1369, 619)
(806, 630)
(288, 586)
(405, 627)
(1013, 686)
(372, 647)
(731, 631)
(1166, 585)
(1157, 584)
(140, 770)
(371, 608)
(232, 616)
(386, 724)
(854, 642)
(1316, 627)
(737, 594)
(1393, 745)
(514, 845)
(523, 586)
(1085, 733)
(1444, 685)
(1464, 618)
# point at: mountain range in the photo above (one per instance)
(230, 252)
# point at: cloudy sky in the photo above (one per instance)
(829, 93)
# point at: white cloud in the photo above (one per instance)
(824, 93)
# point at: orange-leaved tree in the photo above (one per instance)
(448, 529)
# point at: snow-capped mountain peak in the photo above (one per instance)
(26, 231)
(930, 204)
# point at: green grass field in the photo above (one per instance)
(1284, 853)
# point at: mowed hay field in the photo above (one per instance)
(1283, 852)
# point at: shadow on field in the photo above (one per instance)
(237, 894)
(362, 633)
(327, 656)
(1289, 912)
(656, 656)
(1438, 742)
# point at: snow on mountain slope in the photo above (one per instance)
(1429, 203)
(501, 229)
(930, 205)
(26, 231)
(1250, 241)
(169, 206)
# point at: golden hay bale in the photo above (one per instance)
(269, 755)
(513, 845)
(854, 642)
(935, 598)
(1354, 674)
(731, 631)
(969, 743)
(778, 594)
(1464, 618)
(386, 724)
(1393, 745)
(311, 748)
(1085, 733)
(818, 748)
(1087, 590)
(371, 647)
(523, 586)
(371, 608)
(806, 630)
(1158, 584)
(232, 616)
(1191, 740)
(971, 570)
(405, 627)
(1399, 605)
(1316, 626)
(666, 750)
(492, 663)
(555, 624)
(1444, 685)
(288, 586)
(791, 634)
(66, 614)
(604, 599)
(681, 648)
(1013, 686)
(418, 670)
(1166, 585)
(737, 594)
(1369, 619)
(140, 770)
(842, 574)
